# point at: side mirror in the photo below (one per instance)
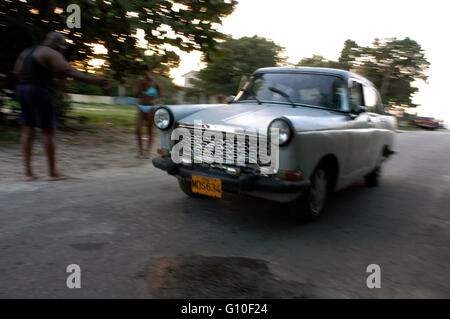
(358, 109)
(230, 99)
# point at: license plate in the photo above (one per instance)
(206, 186)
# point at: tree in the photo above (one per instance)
(182, 24)
(348, 54)
(318, 61)
(234, 59)
(391, 64)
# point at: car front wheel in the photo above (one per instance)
(312, 203)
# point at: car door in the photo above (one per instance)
(374, 109)
(361, 129)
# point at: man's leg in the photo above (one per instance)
(27, 148)
(50, 147)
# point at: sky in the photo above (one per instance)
(310, 27)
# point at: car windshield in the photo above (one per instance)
(302, 88)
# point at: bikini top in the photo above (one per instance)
(151, 92)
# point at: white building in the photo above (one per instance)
(203, 98)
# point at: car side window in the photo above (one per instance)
(370, 99)
(356, 95)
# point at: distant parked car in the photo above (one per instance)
(332, 127)
(427, 122)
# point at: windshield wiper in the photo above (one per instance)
(283, 94)
(252, 94)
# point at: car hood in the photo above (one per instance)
(254, 116)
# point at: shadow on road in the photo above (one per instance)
(356, 214)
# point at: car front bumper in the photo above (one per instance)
(243, 183)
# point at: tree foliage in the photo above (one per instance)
(168, 25)
(348, 54)
(318, 61)
(234, 59)
(391, 64)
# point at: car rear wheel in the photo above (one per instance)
(373, 178)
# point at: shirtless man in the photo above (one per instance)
(36, 69)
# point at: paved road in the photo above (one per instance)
(112, 222)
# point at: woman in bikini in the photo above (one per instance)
(148, 95)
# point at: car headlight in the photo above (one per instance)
(284, 131)
(163, 118)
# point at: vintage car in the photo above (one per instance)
(332, 131)
(427, 122)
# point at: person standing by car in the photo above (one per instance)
(37, 69)
(148, 95)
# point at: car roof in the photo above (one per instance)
(301, 69)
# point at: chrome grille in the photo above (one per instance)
(242, 153)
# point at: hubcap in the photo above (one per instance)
(318, 191)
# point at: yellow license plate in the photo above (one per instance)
(206, 186)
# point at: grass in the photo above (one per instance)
(107, 116)
(102, 119)
(412, 128)
(9, 137)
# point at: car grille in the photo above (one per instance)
(242, 153)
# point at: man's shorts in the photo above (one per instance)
(38, 106)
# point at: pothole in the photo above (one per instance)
(223, 277)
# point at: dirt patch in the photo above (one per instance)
(223, 277)
(77, 152)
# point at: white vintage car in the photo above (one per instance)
(332, 132)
